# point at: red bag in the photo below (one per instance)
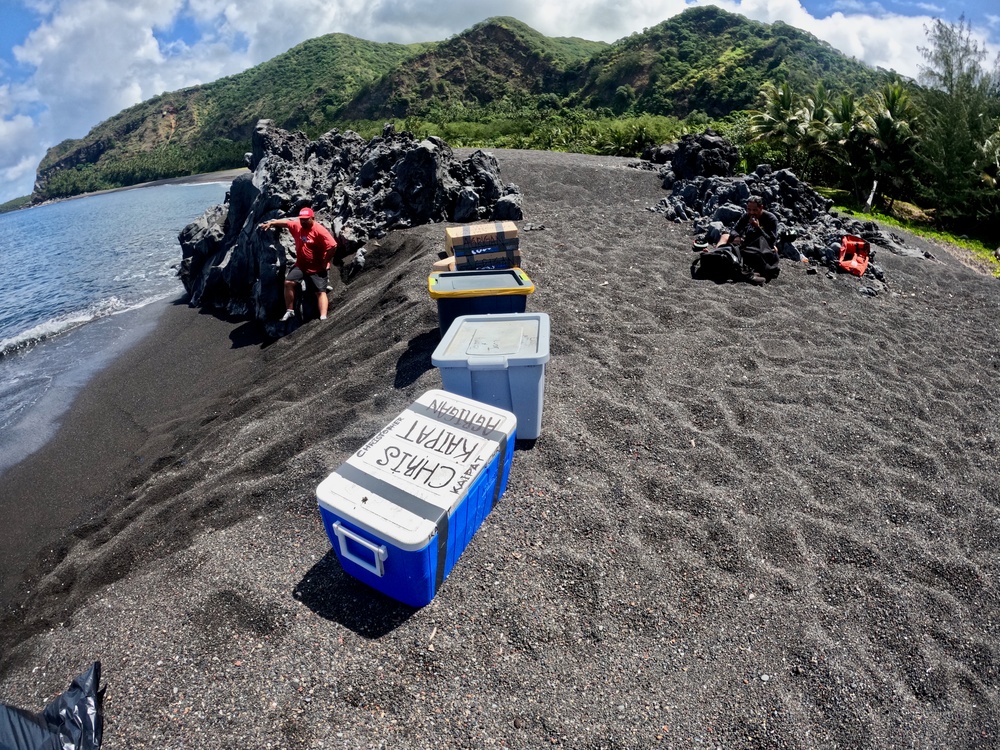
(854, 253)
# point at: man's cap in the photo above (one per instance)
(306, 213)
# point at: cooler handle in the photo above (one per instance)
(489, 362)
(379, 551)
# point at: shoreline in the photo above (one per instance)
(755, 516)
(101, 440)
(225, 175)
(94, 344)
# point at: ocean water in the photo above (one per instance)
(75, 274)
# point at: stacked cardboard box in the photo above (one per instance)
(491, 246)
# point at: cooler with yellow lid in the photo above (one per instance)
(479, 292)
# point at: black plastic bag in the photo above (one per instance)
(719, 264)
(73, 721)
(761, 260)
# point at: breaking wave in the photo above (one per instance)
(62, 324)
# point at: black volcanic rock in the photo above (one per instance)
(706, 154)
(359, 189)
(699, 172)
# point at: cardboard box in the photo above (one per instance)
(492, 245)
(402, 509)
(444, 264)
(488, 261)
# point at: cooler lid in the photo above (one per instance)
(418, 468)
(478, 283)
(508, 340)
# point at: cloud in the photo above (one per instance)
(91, 59)
(94, 58)
(20, 153)
(858, 7)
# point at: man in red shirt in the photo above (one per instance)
(314, 248)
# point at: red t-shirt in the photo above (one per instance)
(313, 249)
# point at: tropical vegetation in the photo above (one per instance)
(936, 145)
(782, 96)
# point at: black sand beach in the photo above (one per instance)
(757, 517)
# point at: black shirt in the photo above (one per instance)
(751, 235)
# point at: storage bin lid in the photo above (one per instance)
(479, 283)
(418, 468)
(484, 341)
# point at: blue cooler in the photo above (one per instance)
(403, 508)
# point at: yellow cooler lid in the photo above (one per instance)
(478, 283)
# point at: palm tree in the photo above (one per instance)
(990, 161)
(816, 115)
(779, 121)
(847, 144)
(889, 138)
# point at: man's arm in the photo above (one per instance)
(274, 223)
(769, 228)
(740, 228)
(330, 246)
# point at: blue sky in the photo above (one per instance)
(66, 65)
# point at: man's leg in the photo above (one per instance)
(289, 299)
(322, 301)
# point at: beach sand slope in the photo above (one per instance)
(757, 517)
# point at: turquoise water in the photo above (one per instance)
(71, 269)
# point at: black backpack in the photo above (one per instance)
(720, 264)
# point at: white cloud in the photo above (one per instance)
(20, 153)
(890, 43)
(91, 59)
(21, 148)
(859, 7)
(94, 58)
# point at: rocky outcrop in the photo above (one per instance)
(705, 155)
(699, 170)
(85, 154)
(359, 189)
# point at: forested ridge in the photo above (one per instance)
(499, 69)
(777, 92)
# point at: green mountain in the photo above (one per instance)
(703, 59)
(208, 127)
(708, 60)
(498, 57)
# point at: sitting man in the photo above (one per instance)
(755, 234)
(754, 226)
